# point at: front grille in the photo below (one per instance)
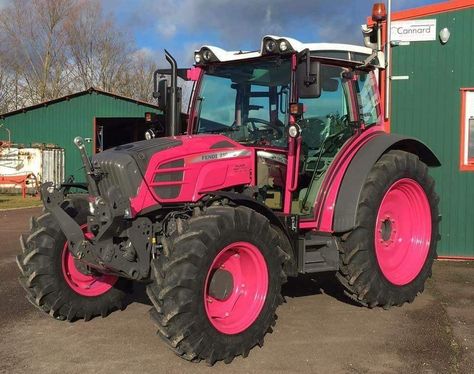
(120, 171)
(168, 179)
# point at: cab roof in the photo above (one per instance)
(348, 52)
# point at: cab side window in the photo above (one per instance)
(327, 114)
(368, 98)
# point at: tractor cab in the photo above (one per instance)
(294, 104)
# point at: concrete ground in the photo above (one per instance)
(318, 330)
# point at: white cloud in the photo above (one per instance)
(241, 24)
(237, 23)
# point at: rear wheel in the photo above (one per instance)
(217, 284)
(387, 258)
(58, 284)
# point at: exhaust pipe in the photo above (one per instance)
(172, 115)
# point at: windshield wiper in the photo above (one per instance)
(223, 129)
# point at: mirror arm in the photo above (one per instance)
(308, 81)
(155, 84)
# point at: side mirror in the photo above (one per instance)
(308, 77)
(162, 94)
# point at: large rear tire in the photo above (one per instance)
(217, 284)
(58, 285)
(386, 259)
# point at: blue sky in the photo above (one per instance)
(184, 25)
(181, 26)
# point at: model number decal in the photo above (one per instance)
(221, 155)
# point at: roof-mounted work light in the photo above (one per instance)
(204, 56)
(271, 46)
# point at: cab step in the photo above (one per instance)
(318, 253)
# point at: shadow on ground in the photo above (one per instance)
(302, 286)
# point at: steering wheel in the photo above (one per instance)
(273, 126)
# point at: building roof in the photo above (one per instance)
(428, 10)
(77, 94)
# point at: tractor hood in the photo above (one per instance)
(176, 169)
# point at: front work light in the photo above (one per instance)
(270, 46)
(207, 55)
(197, 58)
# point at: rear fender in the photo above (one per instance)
(359, 168)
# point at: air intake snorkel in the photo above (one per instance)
(169, 97)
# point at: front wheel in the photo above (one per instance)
(58, 284)
(386, 259)
(217, 284)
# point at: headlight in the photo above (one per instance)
(294, 131)
(283, 46)
(270, 46)
(91, 207)
(149, 134)
(197, 58)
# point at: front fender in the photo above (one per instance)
(354, 178)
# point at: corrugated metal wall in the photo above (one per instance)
(427, 106)
(52, 168)
(60, 122)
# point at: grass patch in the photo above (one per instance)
(8, 201)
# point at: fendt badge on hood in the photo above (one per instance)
(221, 155)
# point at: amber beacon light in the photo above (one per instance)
(379, 13)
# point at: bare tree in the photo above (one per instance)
(137, 82)
(50, 48)
(99, 51)
(33, 44)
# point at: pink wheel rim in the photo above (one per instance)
(246, 266)
(84, 284)
(403, 232)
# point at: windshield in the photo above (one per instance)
(246, 101)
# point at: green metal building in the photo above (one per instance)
(101, 118)
(431, 99)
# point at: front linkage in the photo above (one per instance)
(118, 245)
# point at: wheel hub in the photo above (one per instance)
(221, 285)
(387, 230)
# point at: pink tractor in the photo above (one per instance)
(283, 169)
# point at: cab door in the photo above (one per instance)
(328, 122)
